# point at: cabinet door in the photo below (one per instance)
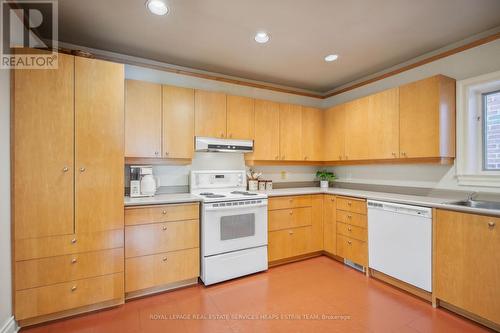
(466, 262)
(42, 125)
(267, 131)
(317, 222)
(290, 132)
(427, 118)
(373, 127)
(210, 114)
(329, 224)
(334, 133)
(99, 157)
(178, 122)
(142, 119)
(312, 134)
(240, 117)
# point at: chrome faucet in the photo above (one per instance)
(471, 196)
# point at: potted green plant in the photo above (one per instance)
(324, 177)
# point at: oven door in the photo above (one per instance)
(232, 228)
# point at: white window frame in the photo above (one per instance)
(469, 161)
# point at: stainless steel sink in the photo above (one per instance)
(476, 204)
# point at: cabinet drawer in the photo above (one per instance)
(289, 243)
(355, 219)
(164, 213)
(160, 269)
(352, 249)
(35, 248)
(351, 205)
(155, 238)
(352, 231)
(289, 202)
(53, 270)
(64, 296)
(289, 218)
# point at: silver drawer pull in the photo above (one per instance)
(491, 224)
(349, 242)
(164, 212)
(73, 288)
(73, 241)
(74, 260)
(164, 228)
(164, 259)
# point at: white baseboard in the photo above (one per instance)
(10, 326)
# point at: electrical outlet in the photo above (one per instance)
(283, 175)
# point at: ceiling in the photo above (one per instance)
(217, 35)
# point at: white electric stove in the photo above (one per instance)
(233, 225)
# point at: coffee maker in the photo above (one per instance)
(142, 181)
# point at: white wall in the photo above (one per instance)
(470, 63)
(5, 244)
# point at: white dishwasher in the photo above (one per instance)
(400, 242)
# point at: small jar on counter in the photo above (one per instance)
(269, 185)
(262, 185)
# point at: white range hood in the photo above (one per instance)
(207, 144)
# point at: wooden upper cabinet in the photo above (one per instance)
(290, 132)
(312, 134)
(334, 133)
(99, 136)
(178, 122)
(466, 261)
(210, 114)
(427, 118)
(43, 170)
(372, 127)
(142, 119)
(240, 117)
(267, 131)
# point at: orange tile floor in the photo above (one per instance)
(315, 295)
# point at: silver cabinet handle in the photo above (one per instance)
(73, 288)
(164, 212)
(164, 228)
(73, 241)
(73, 261)
(65, 169)
(82, 169)
(491, 224)
(349, 242)
(164, 259)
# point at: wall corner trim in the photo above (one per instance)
(9, 326)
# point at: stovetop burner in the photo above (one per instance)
(214, 195)
(243, 193)
(207, 193)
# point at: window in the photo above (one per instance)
(491, 130)
(478, 131)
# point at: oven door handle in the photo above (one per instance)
(211, 208)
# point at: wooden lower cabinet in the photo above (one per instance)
(45, 300)
(53, 270)
(352, 232)
(161, 247)
(289, 243)
(467, 262)
(329, 224)
(153, 238)
(161, 269)
(295, 226)
(352, 249)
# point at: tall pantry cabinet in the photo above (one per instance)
(68, 157)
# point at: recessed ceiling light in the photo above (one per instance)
(331, 57)
(261, 37)
(157, 7)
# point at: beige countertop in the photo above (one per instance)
(160, 199)
(424, 201)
